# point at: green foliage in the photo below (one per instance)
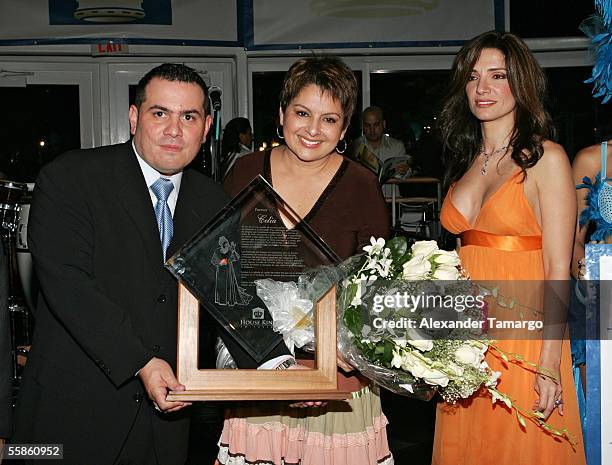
(388, 352)
(379, 353)
(400, 253)
(352, 320)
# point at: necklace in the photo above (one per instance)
(487, 157)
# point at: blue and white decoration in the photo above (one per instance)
(598, 434)
(110, 11)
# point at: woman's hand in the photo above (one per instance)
(549, 391)
(344, 366)
(305, 403)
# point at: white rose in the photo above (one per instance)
(424, 248)
(444, 257)
(436, 377)
(415, 339)
(418, 267)
(469, 355)
(419, 369)
(446, 273)
(413, 365)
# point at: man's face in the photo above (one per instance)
(170, 125)
(373, 126)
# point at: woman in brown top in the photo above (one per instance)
(343, 203)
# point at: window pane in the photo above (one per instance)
(266, 93)
(549, 18)
(580, 119)
(411, 102)
(42, 124)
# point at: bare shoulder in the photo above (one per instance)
(554, 154)
(587, 161)
(554, 161)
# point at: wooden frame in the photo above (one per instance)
(319, 383)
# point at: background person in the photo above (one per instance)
(237, 141)
(594, 224)
(374, 147)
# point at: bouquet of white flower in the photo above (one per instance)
(402, 327)
(411, 321)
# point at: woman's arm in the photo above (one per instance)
(587, 163)
(557, 207)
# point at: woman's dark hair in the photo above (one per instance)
(230, 142)
(460, 129)
(328, 73)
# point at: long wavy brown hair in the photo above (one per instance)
(460, 129)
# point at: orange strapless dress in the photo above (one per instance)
(476, 432)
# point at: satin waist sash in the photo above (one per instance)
(499, 242)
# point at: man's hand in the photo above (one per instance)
(402, 168)
(158, 379)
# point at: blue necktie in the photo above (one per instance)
(162, 188)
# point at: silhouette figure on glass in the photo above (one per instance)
(227, 290)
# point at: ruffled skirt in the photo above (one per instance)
(351, 432)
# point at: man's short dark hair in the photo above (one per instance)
(171, 72)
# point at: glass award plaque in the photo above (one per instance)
(256, 236)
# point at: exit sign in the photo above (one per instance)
(109, 48)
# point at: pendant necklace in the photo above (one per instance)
(487, 157)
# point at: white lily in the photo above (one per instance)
(376, 245)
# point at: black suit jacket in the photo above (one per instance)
(107, 303)
(6, 362)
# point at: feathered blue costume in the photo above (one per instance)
(595, 211)
(599, 198)
(597, 27)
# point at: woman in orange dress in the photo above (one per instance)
(512, 201)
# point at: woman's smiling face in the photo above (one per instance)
(488, 90)
(313, 123)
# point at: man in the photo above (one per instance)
(374, 146)
(104, 345)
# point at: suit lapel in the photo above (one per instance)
(133, 196)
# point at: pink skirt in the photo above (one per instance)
(351, 432)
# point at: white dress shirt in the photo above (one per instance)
(151, 175)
